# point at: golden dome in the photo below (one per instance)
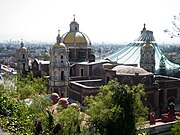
(22, 49)
(148, 46)
(77, 38)
(59, 45)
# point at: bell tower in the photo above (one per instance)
(147, 58)
(59, 68)
(22, 58)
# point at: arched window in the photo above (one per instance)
(62, 75)
(82, 72)
(61, 58)
(23, 56)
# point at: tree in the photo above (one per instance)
(176, 128)
(175, 31)
(69, 119)
(15, 114)
(29, 86)
(116, 109)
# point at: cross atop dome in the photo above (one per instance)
(22, 44)
(144, 29)
(58, 38)
(74, 17)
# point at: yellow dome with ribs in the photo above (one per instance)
(147, 46)
(75, 38)
(59, 45)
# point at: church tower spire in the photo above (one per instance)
(144, 29)
(58, 38)
(74, 17)
(22, 44)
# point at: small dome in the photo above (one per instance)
(79, 38)
(59, 45)
(148, 46)
(63, 101)
(130, 70)
(54, 96)
(22, 49)
(74, 105)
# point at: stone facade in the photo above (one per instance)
(59, 69)
(147, 57)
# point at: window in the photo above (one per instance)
(82, 72)
(62, 94)
(61, 58)
(23, 56)
(75, 28)
(62, 75)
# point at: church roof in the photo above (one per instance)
(76, 38)
(130, 54)
(130, 70)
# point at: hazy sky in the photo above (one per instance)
(102, 20)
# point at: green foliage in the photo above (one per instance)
(16, 115)
(69, 119)
(117, 109)
(143, 133)
(30, 86)
(23, 105)
(176, 128)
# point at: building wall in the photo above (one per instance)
(78, 90)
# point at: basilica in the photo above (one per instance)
(74, 72)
